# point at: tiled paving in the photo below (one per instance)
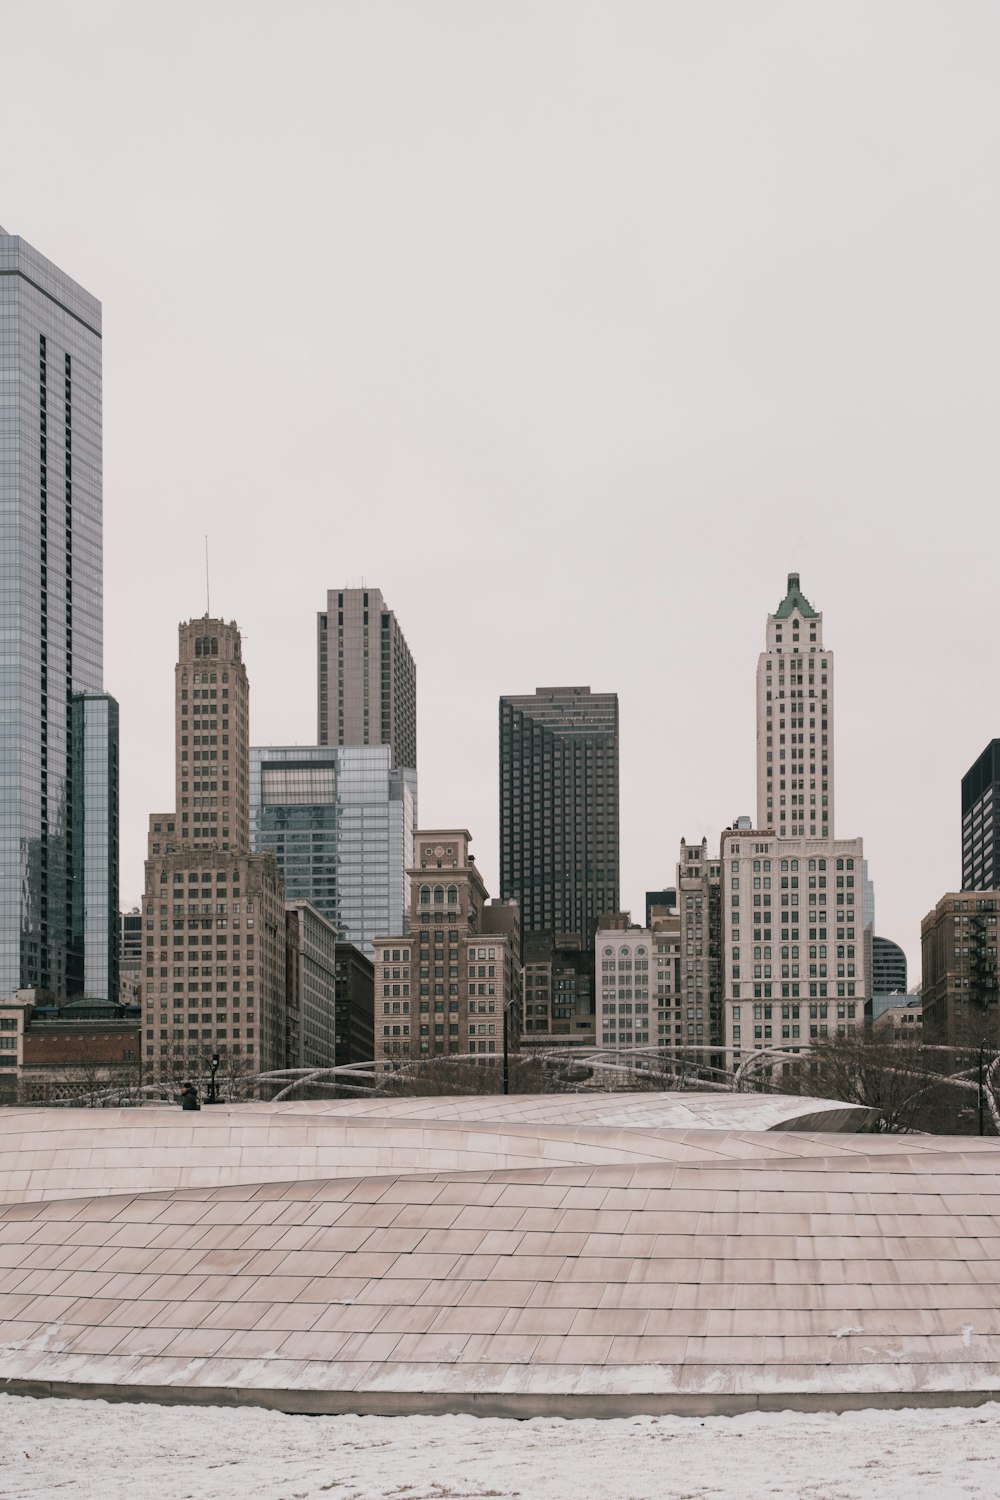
(644, 1269)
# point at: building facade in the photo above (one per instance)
(981, 822)
(793, 940)
(888, 967)
(310, 988)
(558, 990)
(355, 1015)
(51, 640)
(339, 822)
(559, 839)
(445, 988)
(367, 679)
(959, 979)
(213, 966)
(694, 1011)
(95, 838)
(795, 722)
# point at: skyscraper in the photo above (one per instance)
(51, 639)
(795, 722)
(981, 823)
(366, 676)
(213, 956)
(339, 821)
(559, 808)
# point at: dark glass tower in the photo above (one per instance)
(51, 632)
(981, 822)
(559, 808)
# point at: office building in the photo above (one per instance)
(664, 900)
(888, 967)
(130, 957)
(310, 988)
(981, 822)
(339, 822)
(52, 938)
(958, 986)
(559, 851)
(693, 1012)
(214, 913)
(558, 990)
(445, 987)
(793, 939)
(367, 679)
(795, 722)
(355, 1016)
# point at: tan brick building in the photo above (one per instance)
(213, 913)
(441, 989)
(958, 942)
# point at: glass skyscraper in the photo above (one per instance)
(51, 633)
(339, 820)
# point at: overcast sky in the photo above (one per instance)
(573, 327)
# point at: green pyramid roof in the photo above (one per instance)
(795, 599)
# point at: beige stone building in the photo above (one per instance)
(695, 1015)
(958, 942)
(367, 680)
(795, 722)
(213, 941)
(793, 940)
(442, 989)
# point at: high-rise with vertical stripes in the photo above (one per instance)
(58, 729)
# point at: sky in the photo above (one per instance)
(574, 328)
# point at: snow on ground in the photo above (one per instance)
(77, 1449)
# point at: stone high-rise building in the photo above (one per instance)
(213, 912)
(58, 730)
(559, 852)
(981, 822)
(367, 677)
(442, 989)
(795, 722)
(959, 976)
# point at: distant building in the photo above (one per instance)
(792, 912)
(694, 1010)
(367, 677)
(83, 1050)
(458, 970)
(558, 989)
(981, 822)
(795, 722)
(900, 1018)
(310, 988)
(58, 729)
(665, 900)
(559, 850)
(958, 942)
(130, 956)
(623, 958)
(888, 967)
(355, 1041)
(213, 912)
(339, 822)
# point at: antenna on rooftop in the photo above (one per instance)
(208, 595)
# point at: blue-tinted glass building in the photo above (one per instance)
(339, 820)
(51, 624)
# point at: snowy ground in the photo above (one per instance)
(78, 1449)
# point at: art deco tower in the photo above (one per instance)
(795, 722)
(58, 730)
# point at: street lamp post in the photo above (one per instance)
(213, 1097)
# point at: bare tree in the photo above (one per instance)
(906, 1081)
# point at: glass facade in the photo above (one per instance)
(339, 821)
(95, 843)
(50, 609)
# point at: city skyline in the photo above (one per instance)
(575, 384)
